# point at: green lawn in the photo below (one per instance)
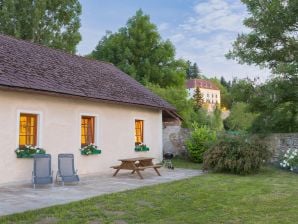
(182, 163)
(268, 197)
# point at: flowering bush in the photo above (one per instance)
(290, 159)
(28, 151)
(90, 149)
(236, 154)
(141, 147)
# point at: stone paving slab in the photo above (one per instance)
(19, 198)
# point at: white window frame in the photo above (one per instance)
(39, 126)
(96, 127)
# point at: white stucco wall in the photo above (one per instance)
(207, 94)
(59, 132)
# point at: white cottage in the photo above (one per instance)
(62, 102)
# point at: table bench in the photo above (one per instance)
(136, 165)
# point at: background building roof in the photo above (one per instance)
(201, 83)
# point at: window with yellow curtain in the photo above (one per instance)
(28, 130)
(87, 130)
(139, 131)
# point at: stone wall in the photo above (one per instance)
(278, 143)
(174, 137)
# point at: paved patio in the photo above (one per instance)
(19, 198)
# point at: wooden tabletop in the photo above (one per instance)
(136, 159)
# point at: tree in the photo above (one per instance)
(192, 71)
(198, 98)
(277, 104)
(225, 96)
(138, 50)
(226, 84)
(272, 41)
(196, 71)
(178, 98)
(54, 23)
(240, 119)
(242, 90)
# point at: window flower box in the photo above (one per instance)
(141, 148)
(28, 151)
(90, 150)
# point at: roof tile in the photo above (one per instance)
(32, 66)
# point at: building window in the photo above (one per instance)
(139, 131)
(87, 130)
(28, 130)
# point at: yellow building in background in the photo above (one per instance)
(210, 92)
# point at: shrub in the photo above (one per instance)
(290, 159)
(236, 154)
(199, 141)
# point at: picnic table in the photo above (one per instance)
(136, 165)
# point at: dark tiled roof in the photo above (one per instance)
(30, 66)
(201, 83)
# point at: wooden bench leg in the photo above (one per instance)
(116, 172)
(157, 171)
(140, 175)
(133, 172)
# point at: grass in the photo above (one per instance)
(268, 197)
(182, 163)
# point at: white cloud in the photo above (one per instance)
(214, 15)
(207, 35)
(163, 26)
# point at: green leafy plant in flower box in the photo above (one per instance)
(90, 149)
(140, 147)
(28, 151)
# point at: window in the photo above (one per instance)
(28, 130)
(139, 131)
(87, 130)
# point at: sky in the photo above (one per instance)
(202, 31)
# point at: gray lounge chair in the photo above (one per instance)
(42, 172)
(66, 172)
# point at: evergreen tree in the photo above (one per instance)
(54, 23)
(198, 98)
(225, 83)
(192, 71)
(195, 71)
(138, 50)
(188, 70)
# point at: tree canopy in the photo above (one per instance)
(192, 71)
(273, 40)
(138, 50)
(54, 23)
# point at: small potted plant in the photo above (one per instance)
(90, 149)
(28, 151)
(141, 147)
